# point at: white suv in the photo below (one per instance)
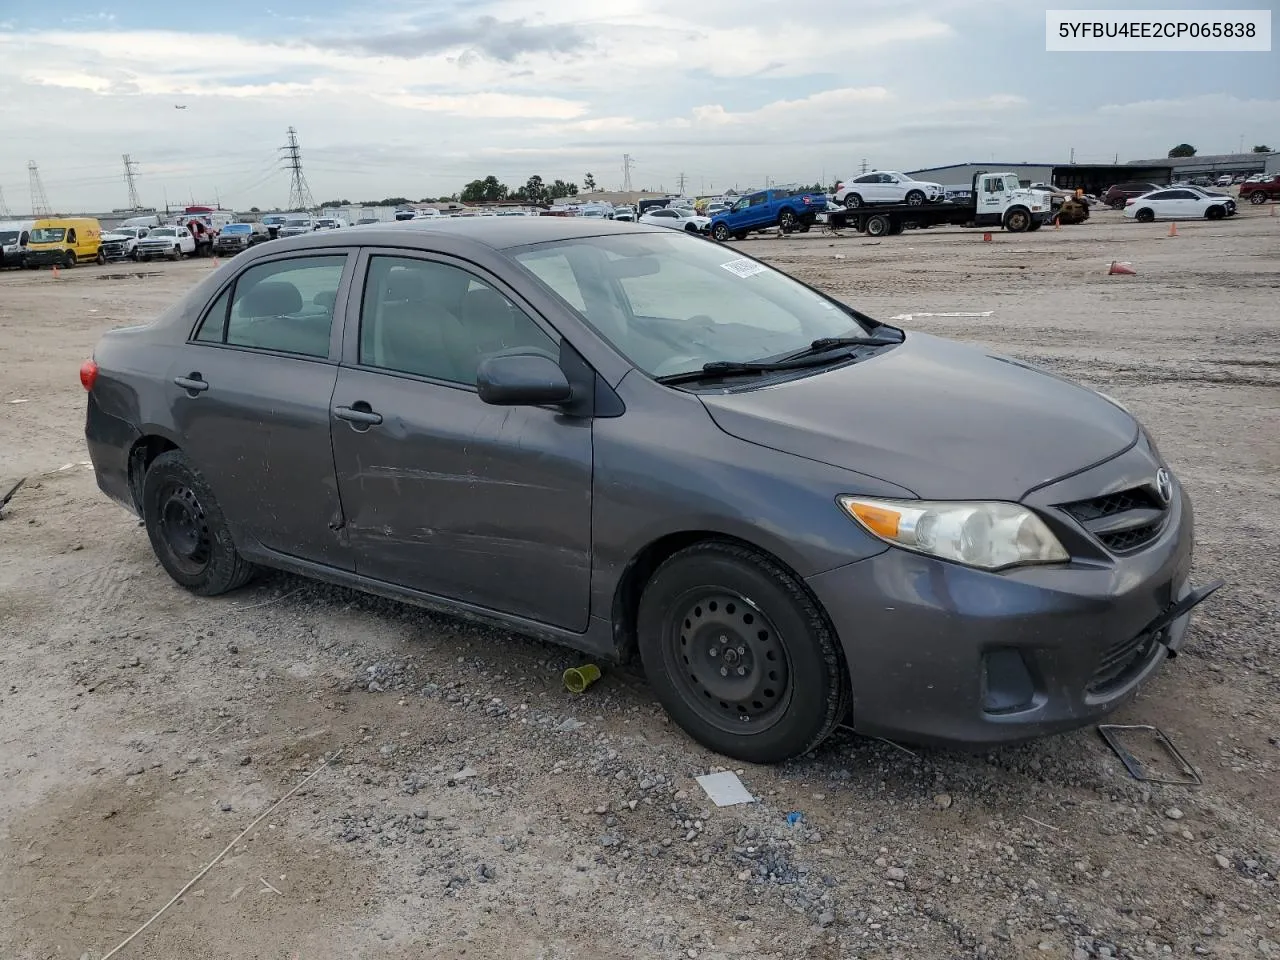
(887, 186)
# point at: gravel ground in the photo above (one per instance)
(477, 809)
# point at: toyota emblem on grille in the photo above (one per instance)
(1164, 485)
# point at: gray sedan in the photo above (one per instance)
(630, 440)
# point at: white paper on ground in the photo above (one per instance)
(725, 789)
(910, 316)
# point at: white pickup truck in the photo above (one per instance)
(167, 241)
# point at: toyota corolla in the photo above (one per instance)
(632, 441)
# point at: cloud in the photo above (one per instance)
(491, 106)
(502, 40)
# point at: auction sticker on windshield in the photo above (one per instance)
(743, 267)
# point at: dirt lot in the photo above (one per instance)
(479, 810)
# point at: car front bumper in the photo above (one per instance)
(45, 258)
(944, 654)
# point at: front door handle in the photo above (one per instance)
(192, 382)
(358, 413)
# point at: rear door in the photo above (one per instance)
(489, 506)
(250, 394)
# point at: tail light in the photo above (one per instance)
(806, 200)
(88, 373)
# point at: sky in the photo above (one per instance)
(417, 97)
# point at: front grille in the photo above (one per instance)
(1123, 659)
(1123, 521)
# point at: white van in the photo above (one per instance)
(14, 237)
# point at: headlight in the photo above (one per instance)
(985, 535)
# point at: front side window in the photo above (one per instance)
(670, 303)
(285, 306)
(436, 320)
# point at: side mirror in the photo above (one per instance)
(522, 380)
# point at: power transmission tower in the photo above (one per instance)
(864, 165)
(39, 199)
(680, 183)
(4, 207)
(130, 179)
(299, 193)
(626, 172)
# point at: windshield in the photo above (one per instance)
(8, 236)
(48, 234)
(670, 303)
(163, 232)
(237, 228)
(297, 223)
(272, 218)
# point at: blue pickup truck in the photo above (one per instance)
(787, 208)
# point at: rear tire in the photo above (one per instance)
(787, 221)
(187, 530)
(1258, 197)
(761, 679)
(852, 202)
(101, 258)
(879, 225)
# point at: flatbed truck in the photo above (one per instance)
(997, 200)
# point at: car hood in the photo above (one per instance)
(944, 420)
(116, 236)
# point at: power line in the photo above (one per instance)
(626, 172)
(129, 178)
(39, 199)
(299, 192)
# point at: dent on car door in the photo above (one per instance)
(250, 397)
(443, 493)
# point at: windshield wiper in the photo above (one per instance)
(825, 344)
(737, 368)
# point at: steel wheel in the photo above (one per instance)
(184, 529)
(727, 657)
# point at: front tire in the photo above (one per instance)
(187, 530)
(69, 260)
(740, 655)
(721, 233)
(176, 253)
(1145, 215)
(1216, 212)
(1017, 221)
(915, 197)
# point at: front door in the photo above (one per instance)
(443, 493)
(250, 393)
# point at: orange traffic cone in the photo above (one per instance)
(1057, 223)
(215, 263)
(1119, 267)
(56, 272)
(1173, 229)
(986, 238)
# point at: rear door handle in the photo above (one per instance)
(359, 412)
(193, 382)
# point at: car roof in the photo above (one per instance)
(495, 232)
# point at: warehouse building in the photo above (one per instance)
(1090, 177)
(1214, 165)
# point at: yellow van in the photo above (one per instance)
(64, 242)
